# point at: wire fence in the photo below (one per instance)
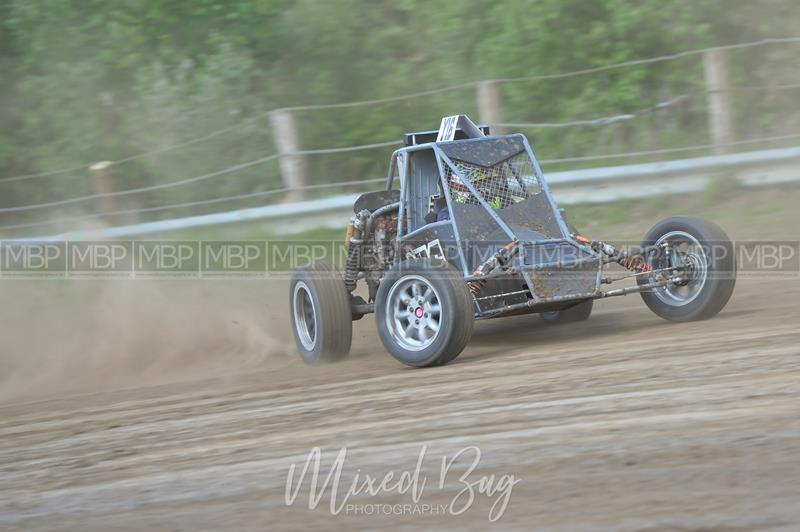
(601, 121)
(670, 103)
(248, 120)
(344, 184)
(188, 204)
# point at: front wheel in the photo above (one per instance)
(424, 312)
(321, 316)
(707, 284)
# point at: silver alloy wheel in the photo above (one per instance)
(305, 317)
(414, 313)
(684, 248)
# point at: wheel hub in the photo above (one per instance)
(685, 252)
(304, 316)
(413, 315)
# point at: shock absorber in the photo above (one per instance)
(498, 259)
(633, 262)
(355, 230)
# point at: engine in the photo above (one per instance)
(371, 237)
(379, 250)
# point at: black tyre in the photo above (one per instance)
(320, 310)
(573, 314)
(424, 312)
(708, 286)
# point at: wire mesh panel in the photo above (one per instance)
(502, 173)
(501, 185)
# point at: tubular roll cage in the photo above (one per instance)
(400, 166)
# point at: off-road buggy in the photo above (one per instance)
(467, 229)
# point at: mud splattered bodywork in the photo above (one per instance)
(481, 203)
(507, 200)
(463, 200)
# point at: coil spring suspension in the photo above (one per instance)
(351, 266)
(635, 263)
(499, 259)
(354, 233)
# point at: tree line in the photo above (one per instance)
(90, 80)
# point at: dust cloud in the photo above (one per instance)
(83, 336)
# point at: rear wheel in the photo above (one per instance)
(320, 310)
(708, 283)
(424, 312)
(573, 314)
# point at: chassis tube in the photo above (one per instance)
(631, 289)
(597, 295)
(369, 308)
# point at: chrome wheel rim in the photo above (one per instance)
(414, 313)
(683, 249)
(305, 317)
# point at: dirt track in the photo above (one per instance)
(626, 423)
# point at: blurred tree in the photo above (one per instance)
(88, 80)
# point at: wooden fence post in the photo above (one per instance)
(720, 110)
(101, 174)
(490, 105)
(287, 142)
